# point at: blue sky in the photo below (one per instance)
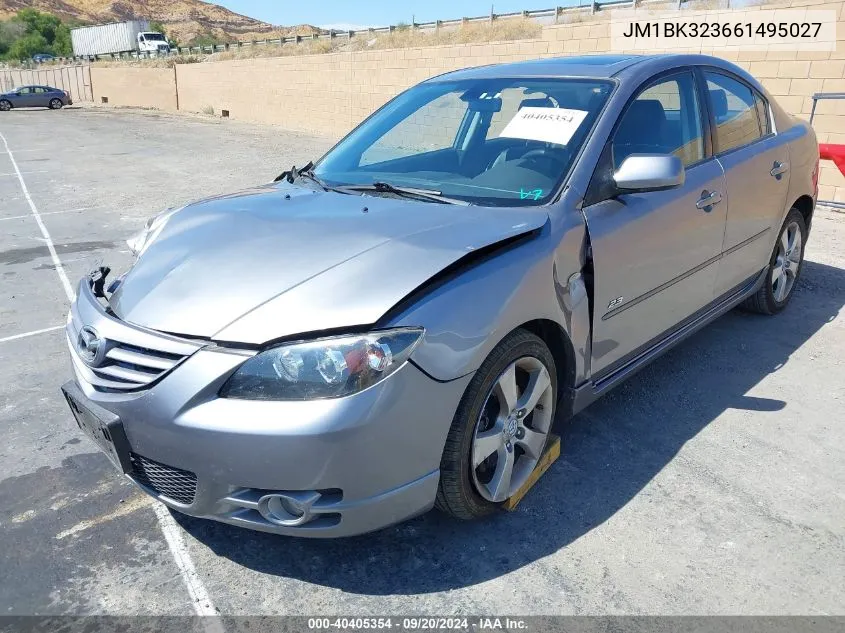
(372, 12)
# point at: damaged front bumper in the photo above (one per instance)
(322, 468)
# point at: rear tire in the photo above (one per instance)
(497, 436)
(5, 105)
(56, 104)
(784, 267)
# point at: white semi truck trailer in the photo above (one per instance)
(121, 37)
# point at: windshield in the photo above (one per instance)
(158, 37)
(492, 142)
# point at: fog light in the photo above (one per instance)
(290, 509)
(287, 506)
(283, 511)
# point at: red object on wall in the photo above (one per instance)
(836, 153)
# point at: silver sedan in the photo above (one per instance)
(399, 325)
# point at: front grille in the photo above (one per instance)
(128, 367)
(166, 481)
(133, 359)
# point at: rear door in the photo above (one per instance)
(41, 96)
(756, 164)
(654, 253)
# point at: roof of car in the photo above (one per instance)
(590, 66)
(579, 66)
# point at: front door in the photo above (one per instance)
(655, 253)
(23, 98)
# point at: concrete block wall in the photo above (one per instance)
(329, 93)
(793, 82)
(308, 93)
(133, 86)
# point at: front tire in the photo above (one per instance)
(500, 429)
(5, 105)
(56, 104)
(784, 267)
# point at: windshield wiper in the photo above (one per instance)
(305, 172)
(408, 192)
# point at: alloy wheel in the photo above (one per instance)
(787, 262)
(55, 104)
(5, 106)
(511, 431)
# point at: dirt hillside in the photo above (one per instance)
(182, 19)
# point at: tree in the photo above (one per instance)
(10, 30)
(31, 32)
(205, 39)
(62, 45)
(27, 46)
(36, 22)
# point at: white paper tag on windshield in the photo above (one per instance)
(550, 125)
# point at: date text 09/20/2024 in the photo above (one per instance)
(419, 623)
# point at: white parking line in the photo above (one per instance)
(200, 597)
(36, 149)
(29, 215)
(33, 333)
(56, 261)
(40, 171)
(196, 588)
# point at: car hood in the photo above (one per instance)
(282, 260)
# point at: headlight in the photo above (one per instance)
(325, 368)
(140, 242)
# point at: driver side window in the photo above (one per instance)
(665, 118)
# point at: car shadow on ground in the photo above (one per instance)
(610, 452)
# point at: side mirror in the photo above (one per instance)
(649, 172)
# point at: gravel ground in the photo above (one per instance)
(711, 483)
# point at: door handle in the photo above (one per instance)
(779, 168)
(708, 199)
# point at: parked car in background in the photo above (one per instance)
(35, 97)
(40, 58)
(399, 325)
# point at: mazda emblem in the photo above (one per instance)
(91, 347)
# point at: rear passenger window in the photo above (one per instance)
(665, 118)
(39, 91)
(763, 114)
(735, 109)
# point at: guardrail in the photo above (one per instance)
(554, 15)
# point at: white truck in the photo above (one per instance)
(133, 36)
